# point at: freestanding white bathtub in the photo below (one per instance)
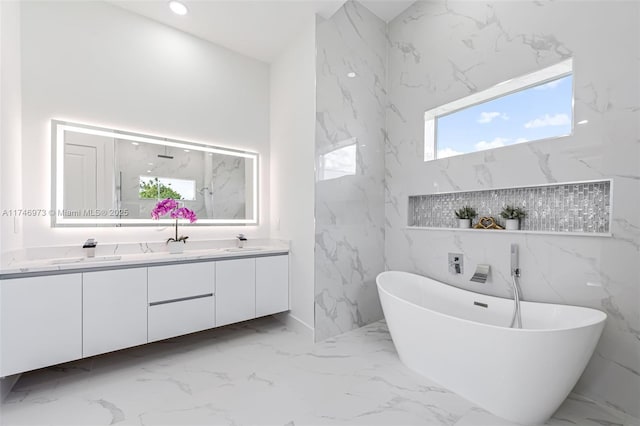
(462, 340)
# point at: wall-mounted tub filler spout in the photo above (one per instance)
(481, 274)
(89, 247)
(241, 240)
(516, 319)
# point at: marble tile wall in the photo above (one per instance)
(349, 210)
(225, 189)
(442, 51)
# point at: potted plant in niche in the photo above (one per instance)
(464, 215)
(170, 206)
(512, 216)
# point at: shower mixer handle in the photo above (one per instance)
(516, 319)
(515, 266)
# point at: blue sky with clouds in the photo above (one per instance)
(536, 113)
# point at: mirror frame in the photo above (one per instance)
(58, 127)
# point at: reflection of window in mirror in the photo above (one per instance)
(159, 188)
(338, 162)
(524, 109)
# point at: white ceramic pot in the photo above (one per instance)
(512, 224)
(464, 223)
(176, 247)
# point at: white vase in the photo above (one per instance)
(464, 223)
(512, 224)
(175, 247)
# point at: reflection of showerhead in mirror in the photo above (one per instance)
(165, 155)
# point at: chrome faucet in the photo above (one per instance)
(89, 247)
(241, 240)
(516, 319)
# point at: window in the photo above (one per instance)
(159, 188)
(532, 107)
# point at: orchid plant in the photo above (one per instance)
(170, 206)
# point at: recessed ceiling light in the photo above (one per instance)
(135, 143)
(178, 8)
(583, 122)
(351, 74)
(186, 150)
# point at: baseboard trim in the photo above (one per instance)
(296, 324)
(6, 384)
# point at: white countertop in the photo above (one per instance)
(56, 260)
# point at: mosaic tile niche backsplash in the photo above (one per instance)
(566, 207)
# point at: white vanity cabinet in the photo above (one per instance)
(181, 299)
(41, 322)
(235, 290)
(114, 314)
(51, 319)
(272, 285)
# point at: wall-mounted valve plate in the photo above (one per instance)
(455, 263)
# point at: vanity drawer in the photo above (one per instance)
(176, 318)
(172, 282)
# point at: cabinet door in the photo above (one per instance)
(235, 290)
(272, 285)
(41, 322)
(181, 299)
(114, 314)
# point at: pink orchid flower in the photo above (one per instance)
(170, 206)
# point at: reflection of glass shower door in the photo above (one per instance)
(117, 172)
(206, 191)
(119, 195)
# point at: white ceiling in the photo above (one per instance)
(260, 29)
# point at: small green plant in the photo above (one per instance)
(155, 190)
(466, 212)
(510, 212)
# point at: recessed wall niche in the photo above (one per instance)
(575, 207)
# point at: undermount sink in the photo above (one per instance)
(84, 259)
(237, 249)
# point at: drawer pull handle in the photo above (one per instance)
(182, 299)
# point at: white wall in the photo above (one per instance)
(10, 126)
(441, 52)
(10, 147)
(292, 160)
(95, 63)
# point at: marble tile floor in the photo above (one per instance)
(256, 373)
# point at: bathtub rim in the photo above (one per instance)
(522, 302)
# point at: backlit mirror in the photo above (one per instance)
(113, 177)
